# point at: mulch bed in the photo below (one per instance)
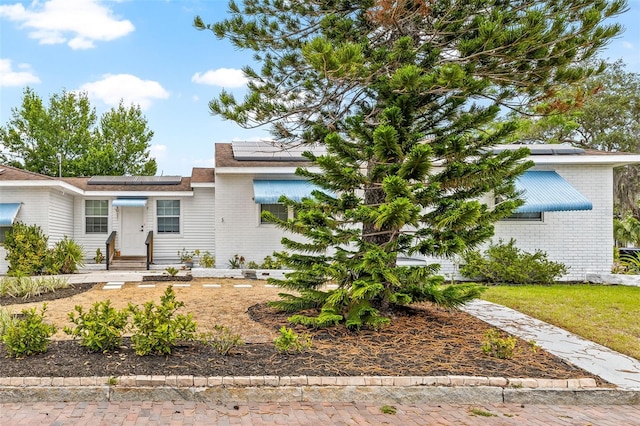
(72, 290)
(165, 278)
(424, 341)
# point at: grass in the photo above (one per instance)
(607, 315)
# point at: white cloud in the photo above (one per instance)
(627, 45)
(11, 78)
(128, 87)
(78, 22)
(223, 77)
(196, 98)
(159, 152)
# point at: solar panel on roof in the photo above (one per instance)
(135, 180)
(271, 151)
(541, 149)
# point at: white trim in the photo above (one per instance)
(203, 185)
(41, 183)
(262, 170)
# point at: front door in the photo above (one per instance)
(133, 235)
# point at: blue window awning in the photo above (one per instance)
(547, 191)
(129, 202)
(269, 191)
(8, 213)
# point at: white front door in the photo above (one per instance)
(132, 235)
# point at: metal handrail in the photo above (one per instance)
(149, 243)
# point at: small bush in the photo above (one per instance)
(29, 335)
(270, 263)
(221, 339)
(206, 260)
(236, 262)
(65, 257)
(289, 341)
(157, 329)
(100, 329)
(505, 263)
(252, 265)
(497, 346)
(629, 264)
(26, 247)
(172, 271)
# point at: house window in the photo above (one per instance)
(278, 210)
(531, 216)
(3, 232)
(168, 216)
(96, 216)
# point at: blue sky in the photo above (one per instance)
(147, 52)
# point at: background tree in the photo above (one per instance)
(36, 134)
(603, 113)
(403, 94)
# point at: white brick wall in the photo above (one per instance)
(237, 221)
(582, 240)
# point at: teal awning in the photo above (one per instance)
(129, 202)
(8, 213)
(269, 191)
(547, 191)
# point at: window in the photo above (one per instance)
(96, 216)
(168, 216)
(533, 216)
(278, 210)
(3, 232)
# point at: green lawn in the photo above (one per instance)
(609, 315)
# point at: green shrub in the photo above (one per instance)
(270, 263)
(221, 339)
(497, 346)
(236, 262)
(65, 257)
(157, 329)
(629, 264)
(27, 287)
(290, 341)
(172, 271)
(206, 260)
(505, 263)
(26, 247)
(29, 335)
(100, 328)
(252, 265)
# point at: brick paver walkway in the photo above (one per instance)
(197, 413)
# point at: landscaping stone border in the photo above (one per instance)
(382, 389)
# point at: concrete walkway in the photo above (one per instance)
(614, 367)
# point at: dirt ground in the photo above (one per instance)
(423, 340)
(226, 305)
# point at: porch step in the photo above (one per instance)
(128, 263)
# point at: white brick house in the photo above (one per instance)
(580, 235)
(219, 210)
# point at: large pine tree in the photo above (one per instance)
(404, 95)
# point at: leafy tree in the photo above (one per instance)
(601, 112)
(403, 94)
(37, 134)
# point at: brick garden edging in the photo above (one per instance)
(383, 389)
